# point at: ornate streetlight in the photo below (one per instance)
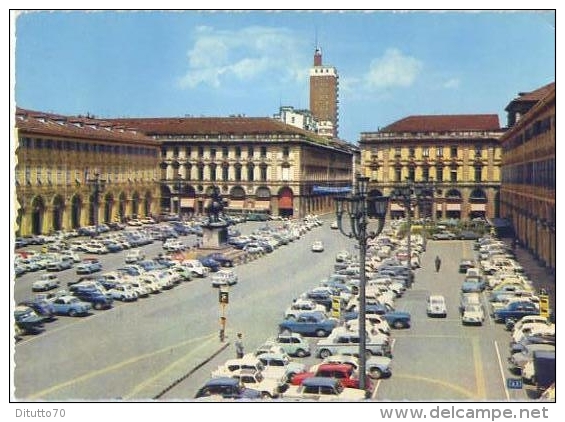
(359, 208)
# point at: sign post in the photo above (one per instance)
(224, 299)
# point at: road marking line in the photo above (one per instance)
(479, 374)
(501, 371)
(461, 390)
(111, 368)
(151, 380)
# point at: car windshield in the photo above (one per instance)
(473, 308)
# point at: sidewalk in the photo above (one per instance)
(541, 277)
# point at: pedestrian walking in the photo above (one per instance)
(438, 263)
(239, 346)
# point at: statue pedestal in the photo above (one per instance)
(215, 236)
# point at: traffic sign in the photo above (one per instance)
(544, 305)
(224, 297)
(514, 383)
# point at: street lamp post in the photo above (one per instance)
(359, 207)
(178, 188)
(97, 187)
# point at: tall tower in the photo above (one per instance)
(324, 83)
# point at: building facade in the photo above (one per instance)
(78, 171)
(529, 169)
(259, 164)
(324, 96)
(458, 155)
(302, 119)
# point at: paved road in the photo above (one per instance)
(137, 351)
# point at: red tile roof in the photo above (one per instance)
(445, 123)
(78, 127)
(537, 94)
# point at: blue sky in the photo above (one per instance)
(391, 65)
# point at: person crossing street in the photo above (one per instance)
(438, 263)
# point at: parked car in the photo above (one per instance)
(444, 235)
(134, 256)
(227, 388)
(60, 264)
(27, 320)
(279, 364)
(515, 311)
(71, 306)
(224, 278)
(210, 263)
(268, 387)
(42, 307)
(95, 297)
(309, 324)
(250, 362)
(89, 266)
(323, 389)
(342, 371)
(343, 342)
(435, 306)
(196, 267)
(301, 305)
(123, 292)
(292, 344)
(221, 258)
(46, 282)
(465, 264)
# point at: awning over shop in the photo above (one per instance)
(235, 204)
(187, 202)
(478, 207)
(453, 207)
(262, 205)
(439, 207)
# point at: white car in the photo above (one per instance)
(473, 315)
(123, 292)
(334, 225)
(135, 255)
(46, 282)
(301, 305)
(318, 246)
(269, 387)
(249, 362)
(435, 306)
(196, 267)
(224, 278)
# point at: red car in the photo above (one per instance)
(341, 371)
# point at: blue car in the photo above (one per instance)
(89, 266)
(227, 388)
(42, 308)
(396, 319)
(210, 263)
(71, 306)
(313, 323)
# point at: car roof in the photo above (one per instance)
(319, 381)
(222, 381)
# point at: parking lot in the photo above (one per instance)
(172, 339)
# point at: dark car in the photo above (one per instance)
(465, 264)
(313, 323)
(534, 339)
(223, 260)
(227, 388)
(469, 235)
(42, 308)
(93, 296)
(27, 320)
(515, 311)
(396, 319)
(210, 263)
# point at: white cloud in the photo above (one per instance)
(392, 70)
(452, 83)
(243, 54)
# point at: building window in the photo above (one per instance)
(412, 173)
(478, 151)
(212, 152)
(200, 152)
(188, 151)
(286, 152)
(439, 152)
(238, 152)
(263, 152)
(397, 174)
(426, 173)
(425, 152)
(238, 172)
(285, 174)
(213, 172)
(397, 152)
(412, 153)
(263, 173)
(224, 152)
(201, 172)
(453, 152)
(225, 172)
(478, 173)
(453, 174)
(250, 170)
(439, 173)
(176, 152)
(250, 152)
